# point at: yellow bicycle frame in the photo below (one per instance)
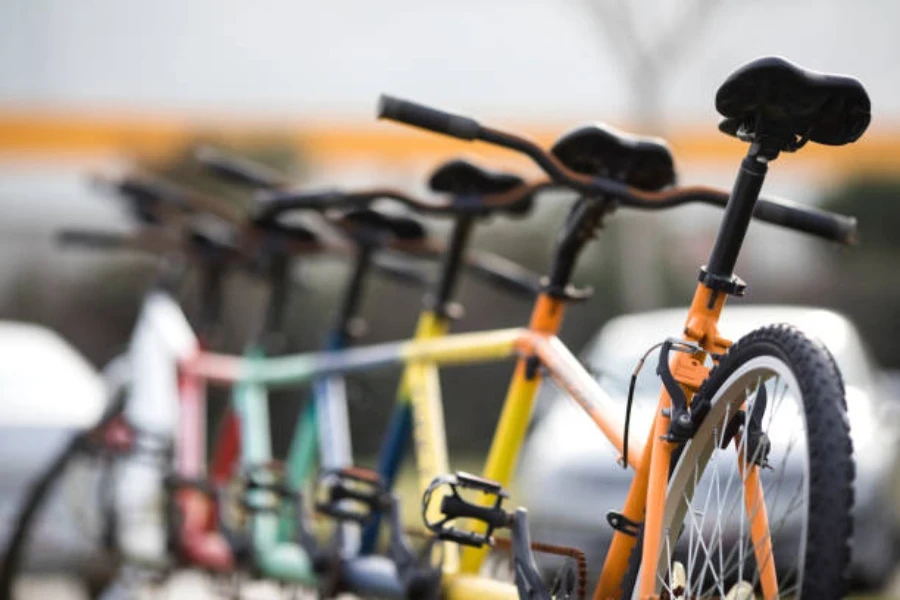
(540, 352)
(647, 494)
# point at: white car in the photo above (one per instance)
(568, 478)
(49, 392)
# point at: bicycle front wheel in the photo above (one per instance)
(759, 500)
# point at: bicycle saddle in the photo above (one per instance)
(293, 231)
(401, 228)
(775, 97)
(464, 180)
(598, 149)
(214, 237)
(460, 177)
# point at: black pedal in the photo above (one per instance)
(454, 506)
(268, 477)
(351, 494)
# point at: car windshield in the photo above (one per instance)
(615, 352)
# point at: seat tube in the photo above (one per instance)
(400, 429)
(546, 319)
(330, 391)
(434, 321)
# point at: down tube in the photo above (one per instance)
(400, 429)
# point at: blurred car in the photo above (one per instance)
(568, 478)
(49, 392)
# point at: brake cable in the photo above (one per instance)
(672, 344)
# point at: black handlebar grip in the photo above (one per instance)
(237, 169)
(418, 115)
(91, 239)
(504, 274)
(402, 273)
(814, 221)
(141, 189)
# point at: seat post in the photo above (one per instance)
(719, 271)
(442, 296)
(580, 228)
(353, 294)
(278, 272)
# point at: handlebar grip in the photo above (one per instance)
(142, 189)
(814, 221)
(401, 273)
(418, 115)
(237, 169)
(504, 273)
(91, 239)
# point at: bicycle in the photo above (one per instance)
(539, 345)
(142, 422)
(698, 416)
(468, 188)
(777, 107)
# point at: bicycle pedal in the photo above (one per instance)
(453, 506)
(259, 479)
(351, 494)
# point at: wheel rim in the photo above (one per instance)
(705, 522)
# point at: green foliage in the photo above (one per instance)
(274, 151)
(875, 202)
(865, 280)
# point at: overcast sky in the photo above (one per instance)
(519, 58)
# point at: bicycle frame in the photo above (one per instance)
(162, 338)
(423, 356)
(539, 351)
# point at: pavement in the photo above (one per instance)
(197, 586)
(182, 586)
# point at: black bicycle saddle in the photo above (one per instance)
(601, 150)
(379, 223)
(468, 184)
(460, 177)
(775, 97)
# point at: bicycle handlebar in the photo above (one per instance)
(503, 273)
(276, 203)
(491, 268)
(144, 190)
(424, 117)
(146, 240)
(400, 272)
(100, 240)
(808, 219)
(239, 170)
(818, 222)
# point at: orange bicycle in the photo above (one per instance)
(750, 440)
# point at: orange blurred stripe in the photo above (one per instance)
(25, 133)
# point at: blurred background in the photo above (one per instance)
(100, 85)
